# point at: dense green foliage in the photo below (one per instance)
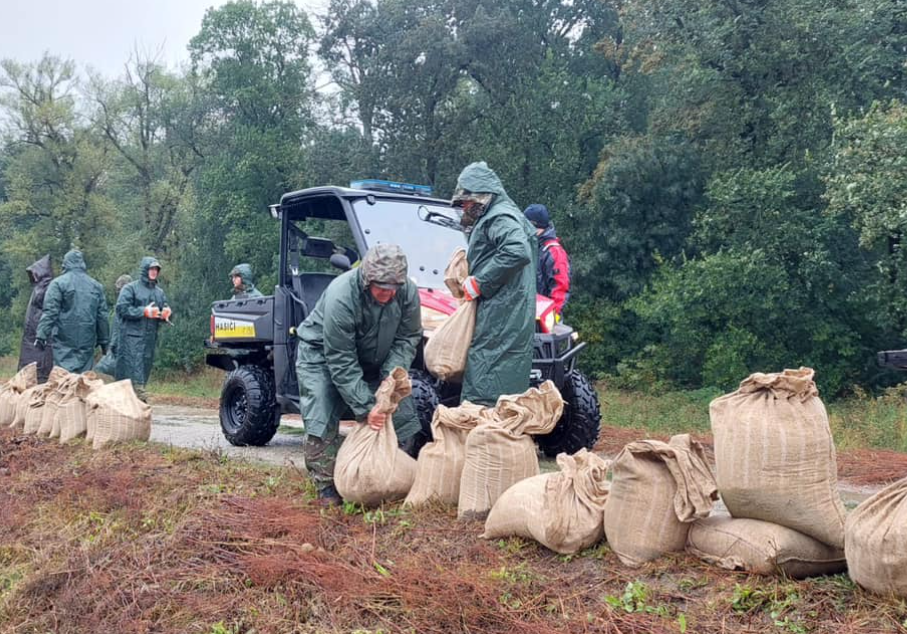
(730, 178)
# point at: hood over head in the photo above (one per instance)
(73, 261)
(149, 262)
(40, 271)
(245, 272)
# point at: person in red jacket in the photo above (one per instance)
(552, 276)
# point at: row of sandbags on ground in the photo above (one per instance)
(477, 452)
(776, 466)
(71, 405)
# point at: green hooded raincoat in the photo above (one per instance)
(348, 344)
(502, 256)
(75, 315)
(248, 282)
(137, 336)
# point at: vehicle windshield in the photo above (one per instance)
(428, 246)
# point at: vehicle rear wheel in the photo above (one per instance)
(581, 421)
(249, 414)
(426, 399)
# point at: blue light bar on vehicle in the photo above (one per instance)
(392, 187)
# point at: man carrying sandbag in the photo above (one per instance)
(75, 316)
(502, 257)
(366, 323)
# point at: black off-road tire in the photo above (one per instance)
(581, 421)
(426, 400)
(249, 414)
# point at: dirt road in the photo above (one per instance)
(200, 429)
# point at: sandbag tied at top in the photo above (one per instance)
(563, 511)
(71, 420)
(500, 451)
(441, 461)
(33, 413)
(775, 456)
(762, 548)
(370, 467)
(657, 490)
(10, 393)
(876, 541)
(118, 415)
(447, 347)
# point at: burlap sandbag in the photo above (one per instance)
(22, 406)
(775, 457)
(762, 548)
(447, 347)
(441, 461)
(9, 398)
(563, 511)
(876, 541)
(34, 411)
(54, 394)
(119, 415)
(500, 451)
(370, 467)
(72, 413)
(657, 490)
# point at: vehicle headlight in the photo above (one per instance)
(548, 321)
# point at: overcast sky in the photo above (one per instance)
(103, 33)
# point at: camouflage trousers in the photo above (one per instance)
(321, 456)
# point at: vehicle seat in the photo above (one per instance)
(313, 285)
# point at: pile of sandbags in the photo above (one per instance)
(11, 392)
(563, 511)
(116, 414)
(775, 462)
(33, 410)
(875, 535)
(370, 467)
(500, 451)
(657, 490)
(441, 461)
(447, 347)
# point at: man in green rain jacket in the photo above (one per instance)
(502, 257)
(243, 282)
(108, 363)
(367, 322)
(141, 309)
(75, 315)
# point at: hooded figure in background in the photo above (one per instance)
(141, 309)
(367, 322)
(243, 282)
(552, 277)
(502, 256)
(39, 274)
(75, 316)
(108, 362)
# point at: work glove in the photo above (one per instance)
(471, 288)
(40, 344)
(152, 311)
(165, 314)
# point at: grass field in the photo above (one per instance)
(148, 538)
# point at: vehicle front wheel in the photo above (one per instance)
(249, 414)
(581, 421)
(425, 399)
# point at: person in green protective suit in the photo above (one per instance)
(141, 309)
(366, 323)
(502, 256)
(108, 363)
(243, 282)
(75, 315)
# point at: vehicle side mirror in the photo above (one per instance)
(340, 261)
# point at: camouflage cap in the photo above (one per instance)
(384, 265)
